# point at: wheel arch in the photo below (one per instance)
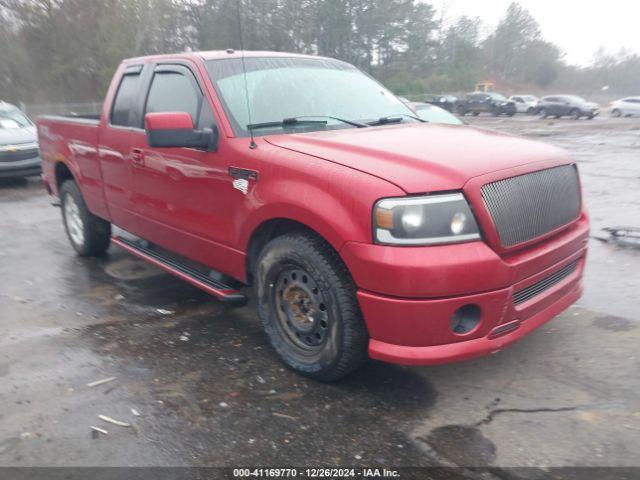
(272, 228)
(62, 173)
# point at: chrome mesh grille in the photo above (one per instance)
(530, 205)
(537, 288)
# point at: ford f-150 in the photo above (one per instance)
(365, 231)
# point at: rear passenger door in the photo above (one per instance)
(632, 106)
(114, 147)
(552, 106)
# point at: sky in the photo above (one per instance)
(579, 28)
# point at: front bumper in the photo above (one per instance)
(429, 321)
(21, 168)
(408, 296)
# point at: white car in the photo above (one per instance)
(625, 107)
(524, 103)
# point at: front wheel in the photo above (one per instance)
(543, 113)
(89, 235)
(308, 307)
(616, 113)
(575, 113)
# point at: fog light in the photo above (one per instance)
(465, 319)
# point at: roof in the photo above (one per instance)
(218, 54)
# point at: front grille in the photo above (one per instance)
(8, 156)
(530, 205)
(537, 288)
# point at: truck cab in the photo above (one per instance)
(364, 230)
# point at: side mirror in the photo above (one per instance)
(175, 130)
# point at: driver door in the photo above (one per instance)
(180, 194)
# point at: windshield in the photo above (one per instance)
(434, 114)
(13, 118)
(281, 88)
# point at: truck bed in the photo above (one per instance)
(70, 143)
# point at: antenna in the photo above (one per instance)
(252, 143)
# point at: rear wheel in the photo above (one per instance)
(475, 114)
(89, 235)
(308, 307)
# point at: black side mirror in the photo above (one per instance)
(175, 130)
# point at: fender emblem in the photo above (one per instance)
(242, 185)
(242, 177)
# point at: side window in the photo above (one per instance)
(173, 91)
(206, 118)
(124, 100)
(517, 99)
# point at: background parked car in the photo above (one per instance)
(626, 107)
(434, 114)
(525, 103)
(19, 154)
(489, 102)
(561, 105)
(448, 102)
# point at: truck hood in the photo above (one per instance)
(421, 157)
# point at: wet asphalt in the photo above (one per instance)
(209, 391)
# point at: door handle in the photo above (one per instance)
(137, 157)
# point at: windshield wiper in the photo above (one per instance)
(396, 118)
(303, 120)
(287, 122)
(348, 122)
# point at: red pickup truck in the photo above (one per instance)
(365, 231)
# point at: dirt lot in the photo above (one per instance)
(209, 391)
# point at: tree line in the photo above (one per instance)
(67, 50)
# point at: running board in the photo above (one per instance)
(219, 290)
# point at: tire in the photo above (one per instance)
(475, 114)
(462, 111)
(543, 113)
(495, 112)
(529, 111)
(308, 307)
(575, 113)
(511, 114)
(616, 113)
(89, 235)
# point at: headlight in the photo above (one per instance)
(428, 220)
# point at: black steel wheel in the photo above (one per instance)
(308, 307)
(301, 308)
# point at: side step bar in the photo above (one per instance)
(219, 290)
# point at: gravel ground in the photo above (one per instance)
(210, 392)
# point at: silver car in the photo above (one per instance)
(19, 154)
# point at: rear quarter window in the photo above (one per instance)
(124, 100)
